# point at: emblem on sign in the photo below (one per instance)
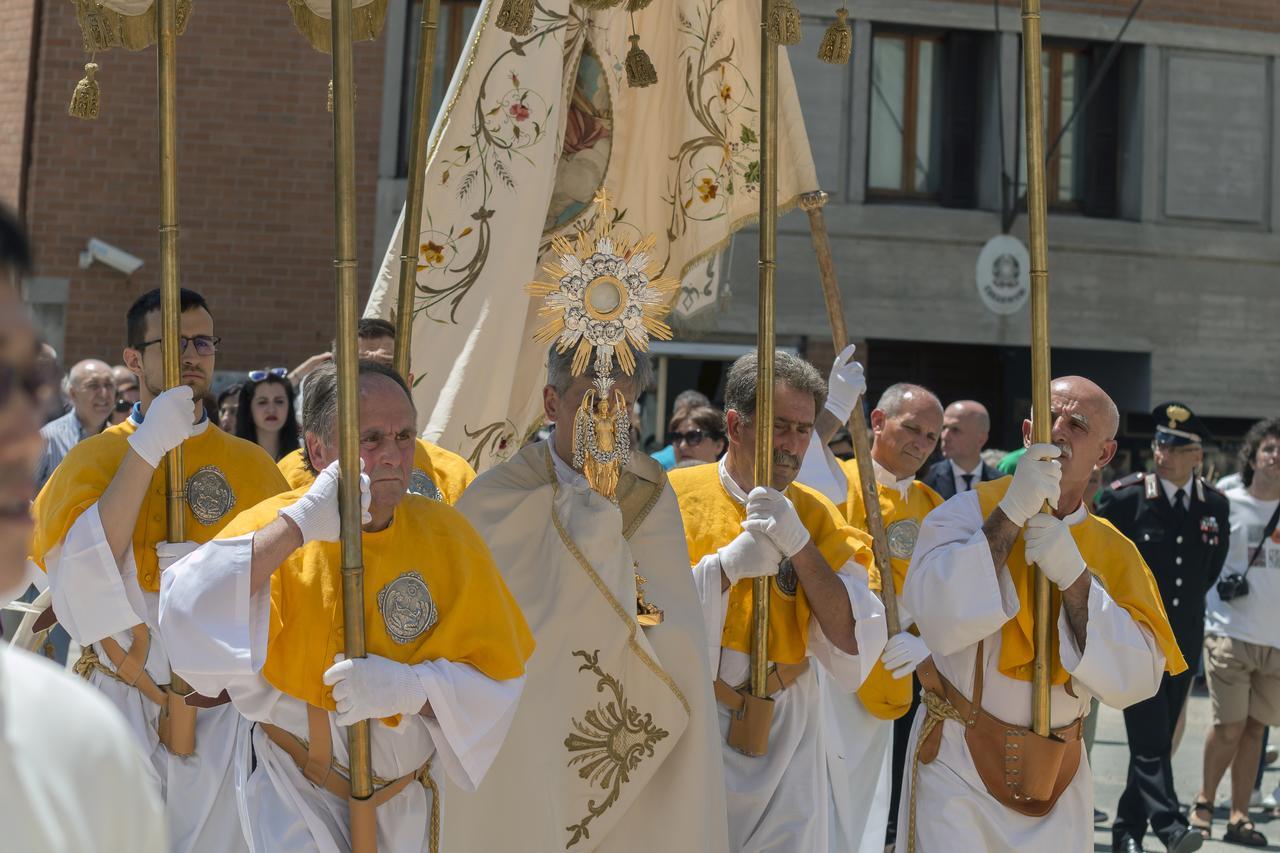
(902, 535)
(209, 494)
(422, 484)
(786, 578)
(406, 607)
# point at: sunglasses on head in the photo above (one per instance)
(123, 405)
(259, 375)
(693, 437)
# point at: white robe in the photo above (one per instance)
(72, 777)
(216, 632)
(1121, 664)
(95, 598)
(672, 799)
(859, 752)
(779, 802)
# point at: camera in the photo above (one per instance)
(105, 253)
(1232, 585)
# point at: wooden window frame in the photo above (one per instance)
(910, 97)
(1055, 118)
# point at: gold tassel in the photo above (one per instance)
(516, 16)
(784, 23)
(837, 43)
(640, 70)
(84, 101)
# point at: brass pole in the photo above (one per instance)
(1042, 431)
(813, 204)
(344, 191)
(416, 186)
(766, 343)
(170, 295)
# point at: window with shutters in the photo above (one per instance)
(924, 102)
(452, 26)
(1081, 137)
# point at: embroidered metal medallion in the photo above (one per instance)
(420, 483)
(902, 535)
(406, 607)
(786, 579)
(209, 494)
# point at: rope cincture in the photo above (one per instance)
(937, 709)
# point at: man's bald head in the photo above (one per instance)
(1084, 424)
(965, 426)
(92, 391)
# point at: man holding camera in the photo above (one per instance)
(1242, 646)
(1180, 526)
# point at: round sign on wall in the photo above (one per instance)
(1004, 274)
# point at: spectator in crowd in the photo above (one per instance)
(1242, 638)
(265, 413)
(92, 393)
(691, 399)
(377, 340)
(965, 425)
(228, 404)
(126, 384)
(697, 435)
(54, 405)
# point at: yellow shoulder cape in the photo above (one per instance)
(712, 519)
(1112, 558)
(82, 477)
(467, 616)
(881, 694)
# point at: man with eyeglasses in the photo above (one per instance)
(73, 777)
(92, 393)
(100, 535)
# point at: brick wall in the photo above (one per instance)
(255, 179)
(1243, 14)
(15, 64)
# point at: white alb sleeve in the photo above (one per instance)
(1122, 663)
(472, 714)
(91, 593)
(849, 671)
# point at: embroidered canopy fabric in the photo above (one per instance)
(532, 128)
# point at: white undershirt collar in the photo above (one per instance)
(886, 478)
(1170, 489)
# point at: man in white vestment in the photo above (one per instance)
(821, 609)
(257, 613)
(71, 776)
(614, 746)
(865, 733)
(1112, 641)
(101, 530)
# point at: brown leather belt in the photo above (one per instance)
(314, 759)
(780, 677)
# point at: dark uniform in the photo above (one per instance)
(1185, 546)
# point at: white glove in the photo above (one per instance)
(169, 553)
(845, 385)
(316, 512)
(1050, 546)
(1038, 478)
(750, 555)
(167, 424)
(903, 653)
(372, 688)
(770, 512)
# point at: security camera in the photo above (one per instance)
(117, 259)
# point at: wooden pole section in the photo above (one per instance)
(170, 286)
(416, 186)
(765, 344)
(1041, 419)
(812, 203)
(344, 191)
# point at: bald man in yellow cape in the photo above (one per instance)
(258, 613)
(991, 785)
(614, 745)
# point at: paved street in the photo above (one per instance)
(1110, 761)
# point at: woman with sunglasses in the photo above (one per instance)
(265, 414)
(697, 435)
